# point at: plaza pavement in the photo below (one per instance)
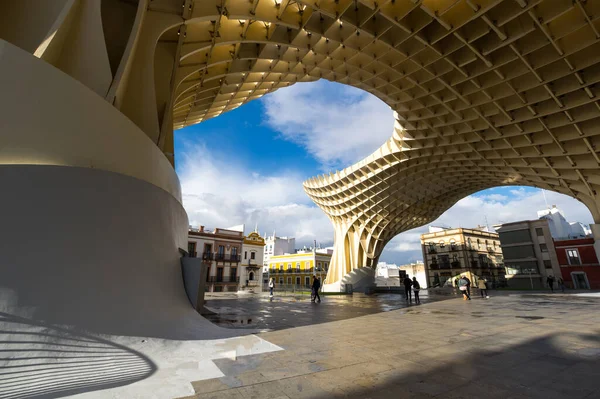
(509, 346)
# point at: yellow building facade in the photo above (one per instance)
(297, 269)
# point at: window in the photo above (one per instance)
(452, 245)
(297, 280)
(221, 249)
(298, 268)
(431, 247)
(539, 231)
(207, 248)
(289, 266)
(252, 255)
(289, 281)
(325, 265)
(281, 281)
(246, 255)
(543, 248)
(307, 281)
(434, 260)
(547, 264)
(233, 273)
(251, 276)
(281, 266)
(573, 256)
(192, 249)
(469, 243)
(442, 244)
(522, 267)
(234, 251)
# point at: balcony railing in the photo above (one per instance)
(226, 258)
(207, 256)
(224, 279)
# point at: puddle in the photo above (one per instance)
(229, 320)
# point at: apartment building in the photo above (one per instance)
(529, 254)
(251, 266)
(578, 263)
(297, 269)
(451, 252)
(220, 250)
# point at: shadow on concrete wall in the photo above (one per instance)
(41, 360)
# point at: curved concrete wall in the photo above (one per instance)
(94, 250)
(77, 128)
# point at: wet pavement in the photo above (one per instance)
(287, 311)
(509, 346)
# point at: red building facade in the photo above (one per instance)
(578, 263)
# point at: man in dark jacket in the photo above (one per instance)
(407, 285)
(315, 289)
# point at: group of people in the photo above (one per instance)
(314, 294)
(464, 286)
(416, 287)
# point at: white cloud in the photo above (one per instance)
(497, 208)
(339, 125)
(217, 192)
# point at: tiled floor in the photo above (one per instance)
(535, 346)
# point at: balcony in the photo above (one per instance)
(491, 250)
(207, 256)
(224, 279)
(219, 257)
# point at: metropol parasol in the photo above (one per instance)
(484, 92)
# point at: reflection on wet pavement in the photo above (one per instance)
(258, 312)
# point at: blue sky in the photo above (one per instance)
(247, 166)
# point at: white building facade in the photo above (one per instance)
(275, 246)
(560, 228)
(251, 266)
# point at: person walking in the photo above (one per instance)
(550, 281)
(462, 286)
(416, 289)
(271, 286)
(407, 285)
(481, 284)
(316, 284)
(468, 286)
(561, 284)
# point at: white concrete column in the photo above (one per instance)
(91, 210)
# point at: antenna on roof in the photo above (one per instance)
(545, 200)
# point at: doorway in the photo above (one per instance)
(580, 281)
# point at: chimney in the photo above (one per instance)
(201, 229)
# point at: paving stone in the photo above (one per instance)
(430, 351)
